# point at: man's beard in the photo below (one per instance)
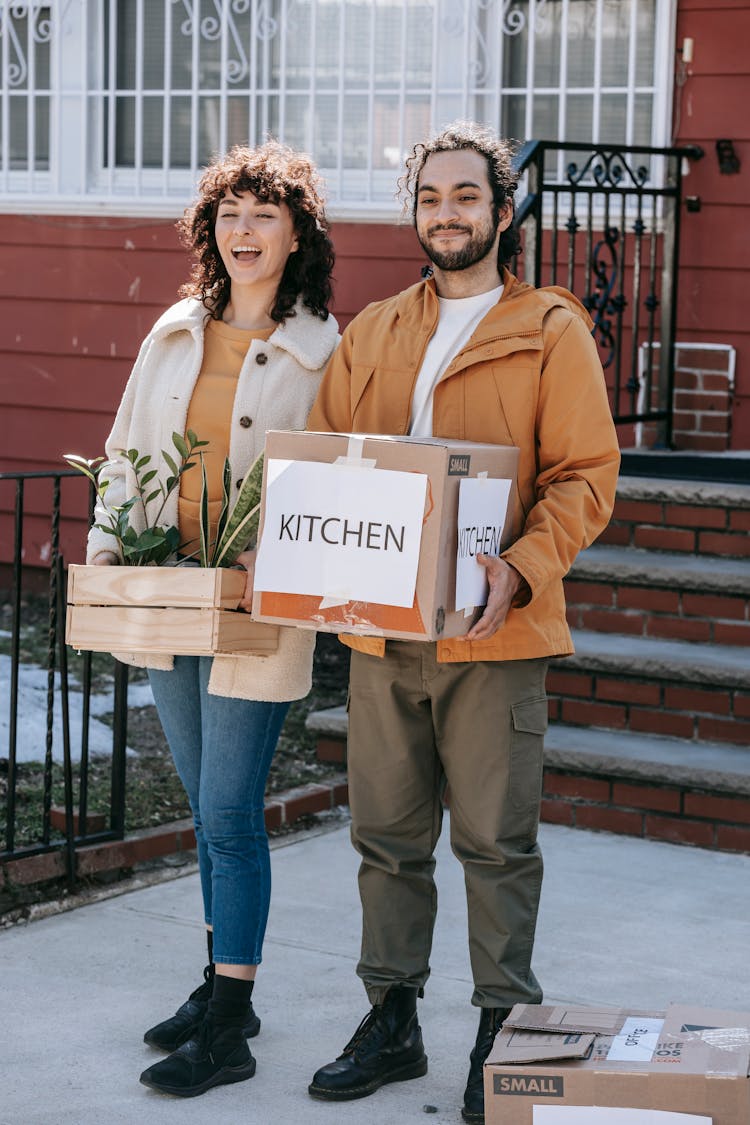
(478, 247)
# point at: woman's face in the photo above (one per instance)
(254, 239)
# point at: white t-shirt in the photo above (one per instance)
(457, 320)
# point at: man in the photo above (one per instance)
(471, 353)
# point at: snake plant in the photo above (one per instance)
(237, 527)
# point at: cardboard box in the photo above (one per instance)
(689, 1060)
(431, 610)
(189, 610)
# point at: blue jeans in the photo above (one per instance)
(222, 749)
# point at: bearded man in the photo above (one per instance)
(470, 353)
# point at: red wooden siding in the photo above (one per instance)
(715, 242)
(78, 294)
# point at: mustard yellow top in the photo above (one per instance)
(210, 417)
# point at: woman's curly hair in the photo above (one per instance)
(502, 178)
(275, 174)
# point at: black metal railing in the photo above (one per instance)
(26, 581)
(604, 221)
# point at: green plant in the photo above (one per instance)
(237, 527)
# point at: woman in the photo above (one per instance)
(243, 352)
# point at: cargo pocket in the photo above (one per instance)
(529, 723)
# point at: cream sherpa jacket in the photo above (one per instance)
(276, 388)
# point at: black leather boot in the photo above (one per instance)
(490, 1022)
(217, 1054)
(386, 1047)
(183, 1025)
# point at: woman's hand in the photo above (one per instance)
(106, 558)
(247, 560)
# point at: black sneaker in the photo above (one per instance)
(386, 1047)
(184, 1024)
(490, 1022)
(218, 1055)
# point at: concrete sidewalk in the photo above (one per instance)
(623, 921)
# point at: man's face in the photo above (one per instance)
(455, 216)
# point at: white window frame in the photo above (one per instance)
(81, 181)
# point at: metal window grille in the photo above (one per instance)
(119, 103)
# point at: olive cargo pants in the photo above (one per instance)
(415, 724)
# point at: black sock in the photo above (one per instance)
(230, 999)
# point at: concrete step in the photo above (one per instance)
(633, 566)
(703, 494)
(720, 767)
(691, 517)
(651, 658)
(712, 766)
(694, 465)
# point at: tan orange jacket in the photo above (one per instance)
(529, 376)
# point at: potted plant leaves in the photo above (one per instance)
(156, 601)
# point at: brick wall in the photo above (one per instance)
(702, 399)
(671, 614)
(667, 707)
(658, 812)
(704, 385)
(696, 529)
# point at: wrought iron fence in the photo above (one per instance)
(604, 220)
(55, 760)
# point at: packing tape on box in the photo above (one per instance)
(353, 457)
(354, 460)
(332, 600)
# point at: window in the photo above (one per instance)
(25, 36)
(122, 101)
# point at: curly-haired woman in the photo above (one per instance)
(243, 352)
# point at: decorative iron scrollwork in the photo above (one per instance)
(42, 17)
(608, 170)
(601, 303)
(210, 27)
(513, 18)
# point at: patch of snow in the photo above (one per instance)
(31, 726)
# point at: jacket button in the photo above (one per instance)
(261, 358)
(246, 422)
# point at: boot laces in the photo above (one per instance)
(203, 991)
(484, 1042)
(369, 1025)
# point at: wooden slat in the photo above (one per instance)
(151, 629)
(155, 586)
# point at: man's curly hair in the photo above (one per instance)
(275, 174)
(498, 155)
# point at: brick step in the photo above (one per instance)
(660, 594)
(650, 786)
(704, 665)
(626, 782)
(640, 684)
(686, 516)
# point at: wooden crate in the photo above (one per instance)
(187, 610)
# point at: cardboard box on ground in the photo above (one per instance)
(687, 1065)
(190, 610)
(359, 533)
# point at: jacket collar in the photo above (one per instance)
(307, 338)
(520, 311)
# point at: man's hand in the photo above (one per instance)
(504, 582)
(247, 560)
